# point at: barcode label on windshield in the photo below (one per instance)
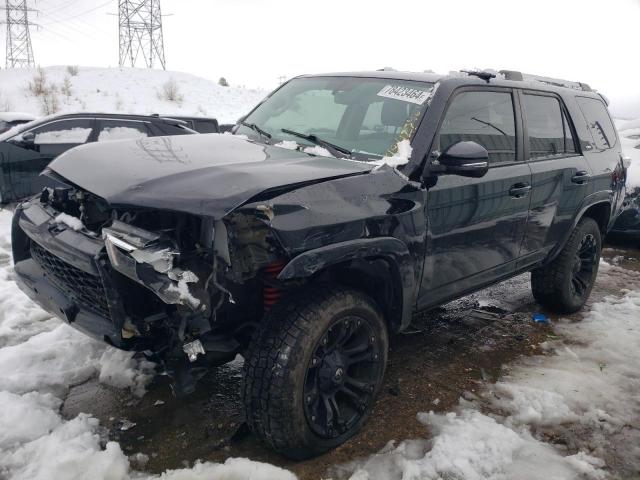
(406, 94)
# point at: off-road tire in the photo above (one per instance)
(552, 283)
(279, 362)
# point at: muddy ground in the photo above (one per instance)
(445, 353)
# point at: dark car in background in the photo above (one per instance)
(26, 150)
(8, 120)
(199, 124)
(342, 205)
(628, 224)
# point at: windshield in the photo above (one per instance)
(365, 116)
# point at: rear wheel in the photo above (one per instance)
(313, 370)
(564, 284)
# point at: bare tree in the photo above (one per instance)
(171, 91)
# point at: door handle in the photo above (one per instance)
(581, 178)
(519, 190)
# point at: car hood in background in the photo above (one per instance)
(200, 174)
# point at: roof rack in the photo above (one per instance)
(557, 82)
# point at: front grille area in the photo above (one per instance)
(85, 288)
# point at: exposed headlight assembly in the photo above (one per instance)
(150, 259)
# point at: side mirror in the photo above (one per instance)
(468, 159)
(26, 140)
(29, 138)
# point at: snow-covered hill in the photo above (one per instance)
(126, 90)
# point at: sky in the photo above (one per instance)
(254, 42)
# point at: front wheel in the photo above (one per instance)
(313, 370)
(564, 284)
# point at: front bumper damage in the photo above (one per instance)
(128, 287)
(37, 243)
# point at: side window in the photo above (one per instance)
(64, 132)
(205, 126)
(548, 128)
(168, 129)
(486, 118)
(598, 121)
(121, 130)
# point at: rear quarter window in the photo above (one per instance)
(547, 126)
(598, 121)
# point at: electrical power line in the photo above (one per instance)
(53, 21)
(19, 47)
(81, 14)
(141, 32)
(62, 6)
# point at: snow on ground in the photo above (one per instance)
(555, 416)
(562, 415)
(40, 358)
(127, 90)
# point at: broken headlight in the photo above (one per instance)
(150, 259)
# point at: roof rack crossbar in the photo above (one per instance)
(520, 77)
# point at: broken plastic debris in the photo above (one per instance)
(182, 289)
(193, 349)
(160, 260)
(126, 425)
(158, 402)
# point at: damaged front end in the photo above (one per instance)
(163, 283)
(150, 259)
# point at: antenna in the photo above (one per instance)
(19, 47)
(141, 32)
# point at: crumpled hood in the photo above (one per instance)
(200, 174)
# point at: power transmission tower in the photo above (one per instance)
(141, 32)
(19, 48)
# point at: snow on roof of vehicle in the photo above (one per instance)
(16, 117)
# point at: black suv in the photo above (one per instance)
(343, 204)
(28, 149)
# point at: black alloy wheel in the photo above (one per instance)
(314, 368)
(585, 262)
(341, 377)
(564, 284)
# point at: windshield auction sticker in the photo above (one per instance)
(406, 94)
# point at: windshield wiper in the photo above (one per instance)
(318, 141)
(256, 129)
